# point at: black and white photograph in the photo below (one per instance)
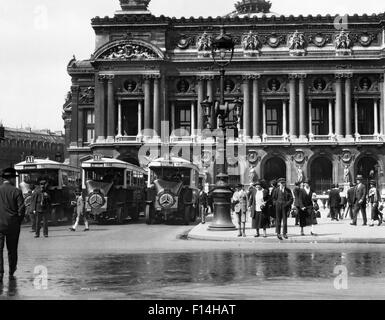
(206, 150)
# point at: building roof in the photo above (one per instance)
(252, 8)
(25, 134)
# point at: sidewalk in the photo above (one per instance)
(326, 231)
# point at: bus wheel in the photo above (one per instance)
(135, 215)
(120, 215)
(195, 214)
(149, 215)
(187, 215)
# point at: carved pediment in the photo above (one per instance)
(129, 50)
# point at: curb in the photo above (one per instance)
(314, 240)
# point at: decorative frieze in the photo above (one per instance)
(297, 44)
(87, 95)
(251, 44)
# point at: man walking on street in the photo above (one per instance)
(334, 202)
(282, 199)
(359, 201)
(12, 211)
(41, 203)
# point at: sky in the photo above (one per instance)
(39, 37)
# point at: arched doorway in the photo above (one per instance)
(367, 167)
(274, 169)
(321, 175)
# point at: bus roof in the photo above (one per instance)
(41, 164)
(111, 163)
(173, 162)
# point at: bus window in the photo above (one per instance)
(129, 178)
(65, 179)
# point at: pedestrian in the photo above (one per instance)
(257, 204)
(374, 199)
(41, 206)
(282, 199)
(12, 212)
(270, 204)
(334, 202)
(307, 210)
(80, 211)
(203, 205)
(350, 202)
(296, 195)
(359, 201)
(343, 197)
(239, 201)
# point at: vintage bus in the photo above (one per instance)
(62, 179)
(114, 189)
(172, 192)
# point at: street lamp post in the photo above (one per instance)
(222, 53)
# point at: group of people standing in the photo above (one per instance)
(269, 206)
(358, 199)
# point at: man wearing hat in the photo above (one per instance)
(335, 202)
(374, 199)
(239, 201)
(283, 200)
(40, 206)
(12, 211)
(359, 201)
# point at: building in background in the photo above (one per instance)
(312, 88)
(17, 144)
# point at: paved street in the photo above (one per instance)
(136, 261)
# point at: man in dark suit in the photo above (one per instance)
(282, 199)
(12, 211)
(334, 202)
(359, 201)
(41, 205)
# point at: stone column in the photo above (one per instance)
(210, 94)
(256, 109)
(111, 109)
(292, 107)
(331, 132)
(192, 119)
(302, 107)
(382, 104)
(357, 134)
(264, 129)
(201, 97)
(246, 107)
(339, 108)
(348, 107)
(100, 110)
(119, 118)
(284, 118)
(74, 116)
(375, 106)
(310, 119)
(157, 107)
(80, 127)
(140, 113)
(147, 103)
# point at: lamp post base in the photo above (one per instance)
(222, 195)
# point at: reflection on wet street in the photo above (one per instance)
(205, 275)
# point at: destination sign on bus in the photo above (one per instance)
(29, 167)
(97, 165)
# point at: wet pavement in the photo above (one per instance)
(152, 262)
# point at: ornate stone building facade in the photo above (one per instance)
(313, 92)
(17, 144)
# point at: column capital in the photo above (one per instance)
(250, 77)
(294, 76)
(102, 77)
(109, 77)
(302, 77)
(147, 77)
(343, 75)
